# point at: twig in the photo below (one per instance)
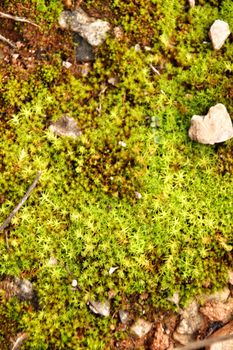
(19, 341)
(31, 188)
(19, 19)
(8, 41)
(201, 343)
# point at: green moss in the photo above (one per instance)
(84, 211)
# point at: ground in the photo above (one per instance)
(158, 207)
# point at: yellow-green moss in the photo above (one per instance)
(84, 211)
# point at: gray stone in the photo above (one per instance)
(141, 327)
(66, 126)
(101, 308)
(83, 50)
(219, 32)
(92, 29)
(25, 289)
(191, 320)
(215, 127)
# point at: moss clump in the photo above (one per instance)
(86, 210)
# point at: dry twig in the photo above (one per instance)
(23, 200)
(15, 18)
(21, 337)
(18, 19)
(201, 343)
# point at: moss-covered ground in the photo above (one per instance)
(85, 210)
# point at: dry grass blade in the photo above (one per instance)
(19, 19)
(31, 188)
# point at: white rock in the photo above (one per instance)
(52, 261)
(215, 127)
(138, 195)
(101, 308)
(74, 283)
(192, 3)
(219, 31)
(141, 327)
(92, 29)
(124, 315)
(113, 81)
(66, 64)
(112, 269)
(122, 144)
(137, 48)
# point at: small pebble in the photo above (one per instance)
(52, 261)
(141, 327)
(74, 283)
(112, 269)
(122, 143)
(66, 64)
(101, 308)
(137, 48)
(124, 315)
(138, 195)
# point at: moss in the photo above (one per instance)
(85, 211)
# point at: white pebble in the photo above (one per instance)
(74, 283)
(122, 143)
(66, 64)
(112, 269)
(138, 195)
